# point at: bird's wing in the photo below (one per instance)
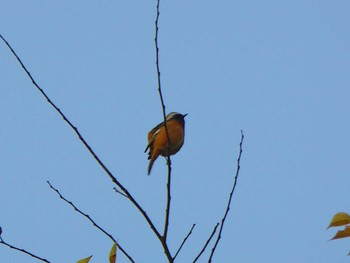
(152, 135)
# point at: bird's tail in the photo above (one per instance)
(150, 166)
(152, 159)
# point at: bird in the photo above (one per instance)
(158, 140)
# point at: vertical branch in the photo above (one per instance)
(158, 67)
(230, 198)
(167, 210)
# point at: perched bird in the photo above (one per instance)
(158, 141)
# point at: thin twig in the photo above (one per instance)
(167, 210)
(103, 166)
(120, 192)
(23, 251)
(158, 67)
(158, 77)
(230, 198)
(206, 243)
(91, 220)
(184, 241)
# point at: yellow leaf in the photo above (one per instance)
(340, 219)
(342, 233)
(113, 253)
(85, 260)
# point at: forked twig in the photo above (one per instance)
(230, 198)
(91, 220)
(120, 192)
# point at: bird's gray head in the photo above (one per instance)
(175, 115)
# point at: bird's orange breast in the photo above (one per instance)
(176, 136)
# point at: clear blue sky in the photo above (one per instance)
(278, 70)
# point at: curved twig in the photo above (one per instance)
(230, 198)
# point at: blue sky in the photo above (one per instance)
(278, 70)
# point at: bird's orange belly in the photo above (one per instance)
(176, 136)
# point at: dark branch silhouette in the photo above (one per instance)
(119, 192)
(108, 172)
(206, 243)
(230, 198)
(22, 250)
(121, 189)
(184, 241)
(158, 68)
(167, 209)
(91, 220)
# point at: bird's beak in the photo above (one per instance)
(185, 115)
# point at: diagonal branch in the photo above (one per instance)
(75, 129)
(206, 243)
(230, 198)
(88, 147)
(91, 220)
(23, 251)
(184, 241)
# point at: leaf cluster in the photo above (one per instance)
(341, 219)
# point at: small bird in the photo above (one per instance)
(158, 141)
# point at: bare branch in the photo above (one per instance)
(230, 198)
(68, 122)
(167, 210)
(158, 67)
(91, 220)
(23, 251)
(123, 190)
(88, 147)
(184, 241)
(206, 243)
(158, 77)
